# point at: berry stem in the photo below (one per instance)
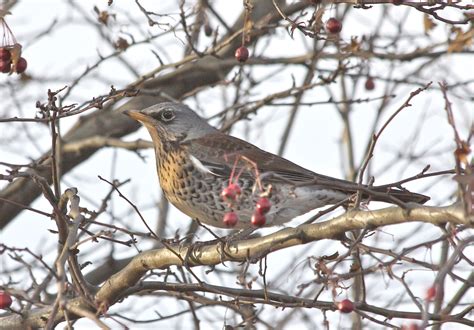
(232, 173)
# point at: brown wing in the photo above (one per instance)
(221, 153)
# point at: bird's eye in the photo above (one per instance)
(167, 115)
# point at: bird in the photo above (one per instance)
(210, 175)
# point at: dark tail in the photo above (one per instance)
(375, 193)
(402, 195)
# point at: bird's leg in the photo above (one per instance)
(231, 239)
(408, 207)
(218, 240)
(242, 234)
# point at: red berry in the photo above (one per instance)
(333, 25)
(21, 65)
(5, 300)
(369, 84)
(412, 326)
(231, 192)
(258, 219)
(431, 293)
(230, 219)
(345, 306)
(263, 205)
(242, 54)
(5, 54)
(5, 67)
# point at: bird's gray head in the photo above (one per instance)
(169, 121)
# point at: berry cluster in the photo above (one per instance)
(10, 51)
(231, 194)
(11, 60)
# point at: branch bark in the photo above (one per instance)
(252, 249)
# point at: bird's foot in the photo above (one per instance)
(241, 235)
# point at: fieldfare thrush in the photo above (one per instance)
(196, 163)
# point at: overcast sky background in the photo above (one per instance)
(62, 55)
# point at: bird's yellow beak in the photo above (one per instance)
(137, 115)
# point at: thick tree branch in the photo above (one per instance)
(251, 249)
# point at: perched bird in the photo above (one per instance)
(209, 175)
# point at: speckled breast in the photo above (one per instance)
(197, 193)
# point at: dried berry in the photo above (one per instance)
(5, 55)
(5, 66)
(369, 84)
(21, 65)
(121, 44)
(207, 30)
(333, 25)
(242, 54)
